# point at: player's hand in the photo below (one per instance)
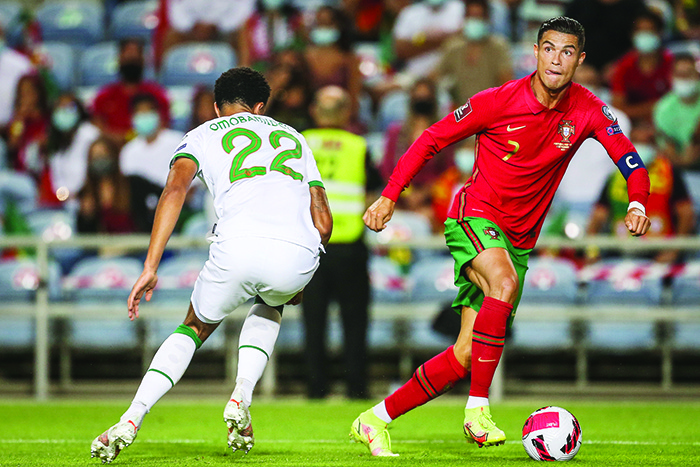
(379, 213)
(637, 223)
(295, 300)
(144, 287)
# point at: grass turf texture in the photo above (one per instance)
(301, 433)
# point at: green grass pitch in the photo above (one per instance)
(301, 433)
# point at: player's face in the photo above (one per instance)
(558, 56)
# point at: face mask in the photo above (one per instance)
(324, 36)
(646, 152)
(65, 118)
(475, 29)
(272, 4)
(131, 72)
(423, 107)
(464, 160)
(146, 123)
(645, 41)
(101, 166)
(685, 87)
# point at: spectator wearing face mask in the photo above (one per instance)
(145, 160)
(643, 75)
(677, 114)
(111, 109)
(330, 59)
(475, 60)
(423, 112)
(669, 208)
(70, 137)
(421, 29)
(104, 198)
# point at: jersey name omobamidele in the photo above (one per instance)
(259, 171)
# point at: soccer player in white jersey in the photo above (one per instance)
(273, 220)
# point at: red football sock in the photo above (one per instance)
(431, 379)
(487, 343)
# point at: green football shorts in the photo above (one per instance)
(468, 238)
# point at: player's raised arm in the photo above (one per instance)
(170, 204)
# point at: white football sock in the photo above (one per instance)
(255, 346)
(167, 367)
(381, 412)
(474, 402)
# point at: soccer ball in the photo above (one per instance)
(551, 434)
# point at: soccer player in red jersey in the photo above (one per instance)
(527, 132)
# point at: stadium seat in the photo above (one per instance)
(432, 280)
(421, 336)
(103, 333)
(102, 279)
(19, 280)
(9, 12)
(686, 285)
(177, 275)
(405, 225)
(98, 64)
(551, 281)
(60, 59)
(524, 60)
(197, 226)
(52, 224)
(621, 336)
(393, 107)
(387, 282)
(180, 106)
(691, 47)
(381, 334)
(74, 22)
(541, 335)
(291, 336)
(686, 336)
(624, 282)
(134, 19)
(16, 333)
(192, 64)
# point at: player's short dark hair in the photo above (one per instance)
(564, 25)
(241, 85)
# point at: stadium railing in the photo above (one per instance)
(44, 308)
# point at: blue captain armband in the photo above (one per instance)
(629, 163)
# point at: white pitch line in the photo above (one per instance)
(335, 441)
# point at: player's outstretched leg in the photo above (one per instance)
(167, 367)
(488, 337)
(255, 345)
(371, 431)
(434, 377)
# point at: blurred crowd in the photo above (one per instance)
(405, 64)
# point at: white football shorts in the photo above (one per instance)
(238, 269)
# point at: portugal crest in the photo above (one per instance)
(491, 232)
(567, 129)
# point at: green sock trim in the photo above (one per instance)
(188, 331)
(158, 371)
(254, 347)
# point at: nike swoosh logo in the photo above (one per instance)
(486, 361)
(515, 128)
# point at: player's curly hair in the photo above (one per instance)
(241, 85)
(564, 25)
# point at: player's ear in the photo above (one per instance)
(258, 108)
(535, 48)
(216, 109)
(581, 58)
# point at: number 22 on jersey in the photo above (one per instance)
(255, 143)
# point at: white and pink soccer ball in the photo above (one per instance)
(551, 434)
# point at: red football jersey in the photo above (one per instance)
(522, 152)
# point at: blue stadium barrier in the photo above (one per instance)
(541, 335)
(685, 287)
(432, 280)
(99, 280)
(551, 281)
(75, 22)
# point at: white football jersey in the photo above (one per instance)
(259, 172)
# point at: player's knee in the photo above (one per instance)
(506, 288)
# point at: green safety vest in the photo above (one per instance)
(340, 157)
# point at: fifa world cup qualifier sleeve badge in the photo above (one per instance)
(567, 129)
